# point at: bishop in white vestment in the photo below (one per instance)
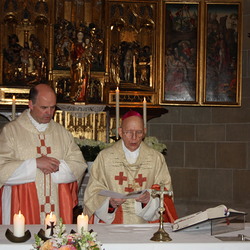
(127, 166)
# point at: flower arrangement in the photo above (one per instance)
(91, 148)
(153, 142)
(63, 241)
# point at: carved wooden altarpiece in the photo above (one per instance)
(118, 49)
(37, 37)
(132, 59)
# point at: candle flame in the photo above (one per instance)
(13, 98)
(85, 217)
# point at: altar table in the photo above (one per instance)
(137, 237)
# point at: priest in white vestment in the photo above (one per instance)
(127, 166)
(40, 164)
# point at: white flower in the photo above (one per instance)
(153, 142)
(91, 148)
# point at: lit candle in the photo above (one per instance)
(19, 222)
(82, 222)
(117, 111)
(50, 223)
(13, 107)
(145, 112)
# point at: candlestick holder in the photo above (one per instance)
(161, 235)
(11, 237)
(74, 232)
(41, 234)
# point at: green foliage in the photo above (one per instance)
(89, 152)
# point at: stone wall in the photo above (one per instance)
(209, 147)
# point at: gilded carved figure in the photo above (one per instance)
(12, 60)
(86, 54)
(24, 64)
(115, 65)
(26, 59)
(81, 59)
(39, 59)
(132, 28)
(63, 44)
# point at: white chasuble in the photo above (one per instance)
(22, 143)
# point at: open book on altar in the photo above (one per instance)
(213, 213)
(116, 195)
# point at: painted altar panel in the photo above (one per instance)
(222, 80)
(201, 53)
(181, 50)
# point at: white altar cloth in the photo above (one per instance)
(137, 237)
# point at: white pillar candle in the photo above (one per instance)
(13, 107)
(82, 222)
(50, 222)
(18, 223)
(145, 112)
(117, 109)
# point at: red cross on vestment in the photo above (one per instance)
(140, 179)
(120, 178)
(47, 206)
(43, 149)
(129, 189)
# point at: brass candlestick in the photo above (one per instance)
(161, 235)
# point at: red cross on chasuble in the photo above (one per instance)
(67, 192)
(47, 206)
(120, 178)
(132, 184)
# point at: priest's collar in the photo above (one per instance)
(41, 127)
(130, 156)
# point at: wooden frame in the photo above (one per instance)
(222, 69)
(201, 66)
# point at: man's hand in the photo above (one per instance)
(47, 164)
(144, 198)
(116, 202)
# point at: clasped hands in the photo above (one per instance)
(47, 164)
(143, 198)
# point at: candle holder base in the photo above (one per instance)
(11, 237)
(161, 235)
(115, 138)
(41, 234)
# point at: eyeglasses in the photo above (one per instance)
(131, 133)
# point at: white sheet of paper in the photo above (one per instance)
(121, 196)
